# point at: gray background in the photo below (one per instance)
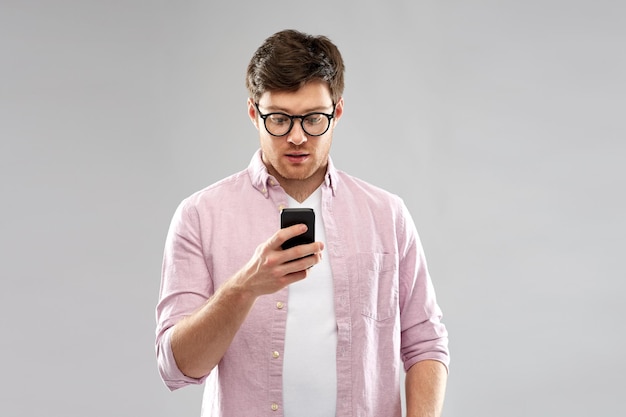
(501, 124)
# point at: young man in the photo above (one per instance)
(320, 329)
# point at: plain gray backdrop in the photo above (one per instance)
(500, 123)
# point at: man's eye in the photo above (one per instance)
(278, 119)
(314, 119)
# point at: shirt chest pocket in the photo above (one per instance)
(378, 284)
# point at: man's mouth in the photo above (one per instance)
(297, 157)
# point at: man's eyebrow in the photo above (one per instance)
(317, 109)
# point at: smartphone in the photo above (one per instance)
(291, 216)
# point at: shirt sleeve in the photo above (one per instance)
(168, 369)
(185, 286)
(424, 336)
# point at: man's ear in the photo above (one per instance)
(338, 110)
(252, 113)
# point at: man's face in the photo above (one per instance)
(297, 156)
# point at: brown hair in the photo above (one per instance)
(289, 59)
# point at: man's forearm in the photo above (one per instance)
(425, 389)
(200, 340)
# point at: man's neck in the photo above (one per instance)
(298, 189)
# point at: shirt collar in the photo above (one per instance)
(262, 180)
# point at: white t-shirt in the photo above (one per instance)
(309, 363)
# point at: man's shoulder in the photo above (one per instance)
(359, 187)
(221, 189)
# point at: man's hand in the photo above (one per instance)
(272, 268)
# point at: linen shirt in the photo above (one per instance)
(385, 305)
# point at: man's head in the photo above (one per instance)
(289, 59)
(296, 85)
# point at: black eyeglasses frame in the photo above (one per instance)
(292, 117)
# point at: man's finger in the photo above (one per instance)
(285, 234)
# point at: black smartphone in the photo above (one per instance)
(291, 216)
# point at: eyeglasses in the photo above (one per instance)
(279, 124)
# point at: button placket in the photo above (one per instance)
(275, 348)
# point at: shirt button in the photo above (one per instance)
(280, 305)
(274, 407)
(281, 207)
(275, 354)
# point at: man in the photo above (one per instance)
(320, 329)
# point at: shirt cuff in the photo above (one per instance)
(170, 373)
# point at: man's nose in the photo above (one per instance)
(297, 135)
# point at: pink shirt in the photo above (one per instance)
(385, 305)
